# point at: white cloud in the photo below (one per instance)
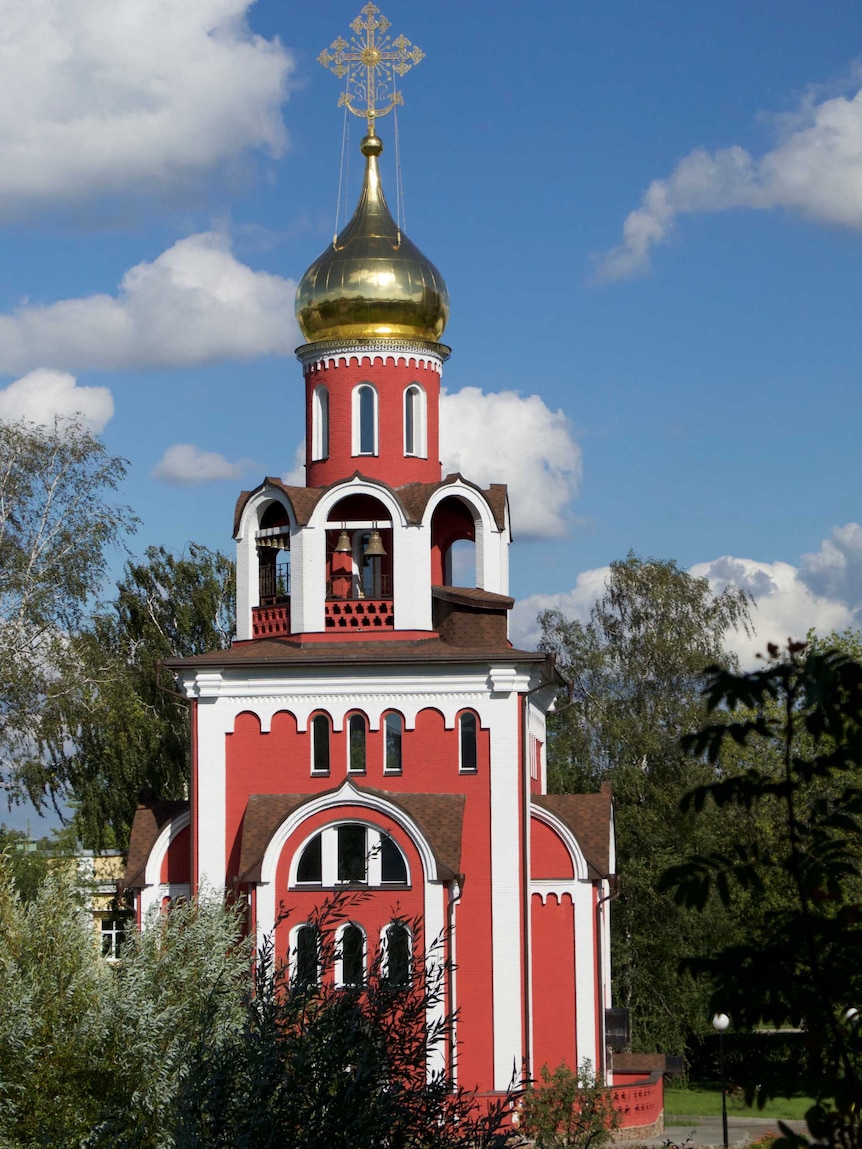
(183, 464)
(196, 303)
(524, 629)
(99, 97)
(504, 437)
(836, 569)
(295, 477)
(43, 396)
(815, 169)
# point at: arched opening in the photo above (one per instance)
(468, 742)
(359, 550)
(321, 729)
(453, 544)
(306, 957)
(350, 956)
(356, 738)
(393, 731)
(273, 555)
(396, 955)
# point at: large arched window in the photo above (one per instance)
(320, 731)
(468, 742)
(320, 423)
(356, 730)
(351, 853)
(393, 730)
(415, 422)
(364, 420)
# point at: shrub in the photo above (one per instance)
(568, 1109)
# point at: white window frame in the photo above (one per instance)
(313, 735)
(384, 950)
(329, 859)
(461, 767)
(320, 423)
(339, 958)
(419, 448)
(386, 768)
(357, 420)
(116, 932)
(349, 724)
(293, 950)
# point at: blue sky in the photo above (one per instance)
(649, 217)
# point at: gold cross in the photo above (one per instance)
(370, 66)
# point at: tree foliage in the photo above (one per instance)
(58, 523)
(120, 733)
(570, 1110)
(635, 666)
(797, 723)
(181, 1044)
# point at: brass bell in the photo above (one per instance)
(344, 545)
(374, 547)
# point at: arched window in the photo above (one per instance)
(468, 742)
(306, 957)
(396, 955)
(350, 956)
(393, 729)
(365, 420)
(320, 423)
(356, 728)
(350, 852)
(320, 729)
(415, 425)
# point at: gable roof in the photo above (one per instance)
(589, 817)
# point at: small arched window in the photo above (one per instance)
(350, 956)
(365, 420)
(350, 852)
(320, 423)
(415, 433)
(306, 957)
(396, 955)
(356, 729)
(393, 868)
(393, 728)
(467, 732)
(310, 867)
(320, 730)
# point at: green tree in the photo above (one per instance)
(121, 733)
(635, 666)
(798, 721)
(569, 1110)
(58, 523)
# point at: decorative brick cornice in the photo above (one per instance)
(328, 352)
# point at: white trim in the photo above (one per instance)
(293, 949)
(419, 447)
(384, 949)
(320, 429)
(328, 834)
(384, 721)
(314, 358)
(462, 769)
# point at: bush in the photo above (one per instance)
(569, 1109)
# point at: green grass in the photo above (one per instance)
(699, 1102)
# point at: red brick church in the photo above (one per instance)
(372, 724)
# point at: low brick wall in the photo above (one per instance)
(639, 1101)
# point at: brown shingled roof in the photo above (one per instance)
(414, 497)
(439, 816)
(303, 500)
(285, 652)
(149, 821)
(473, 596)
(588, 816)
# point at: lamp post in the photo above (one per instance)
(720, 1022)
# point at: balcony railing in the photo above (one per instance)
(270, 621)
(359, 614)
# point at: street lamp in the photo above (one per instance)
(720, 1022)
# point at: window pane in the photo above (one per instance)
(366, 421)
(352, 956)
(356, 765)
(410, 421)
(397, 955)
(307, 957)
(310, 868)
(352, 853)
(468, 741)
(392, 865)
(320, 741)
(394, 727)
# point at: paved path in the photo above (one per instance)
(696, 1132)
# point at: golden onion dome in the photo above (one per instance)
(372, 282)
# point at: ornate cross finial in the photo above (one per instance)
(370, 65)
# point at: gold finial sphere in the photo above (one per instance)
(371, 145)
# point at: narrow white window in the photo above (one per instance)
(320, 423)
(365, 420)
(393, 730)
(415, 426)
(468, 742)
(350, 956)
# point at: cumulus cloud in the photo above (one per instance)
(835, 571)
(196, 303)
(815, 169)
(98, 97)
(524, 629)
(43, 396)
(183, 464)
(505, 437)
